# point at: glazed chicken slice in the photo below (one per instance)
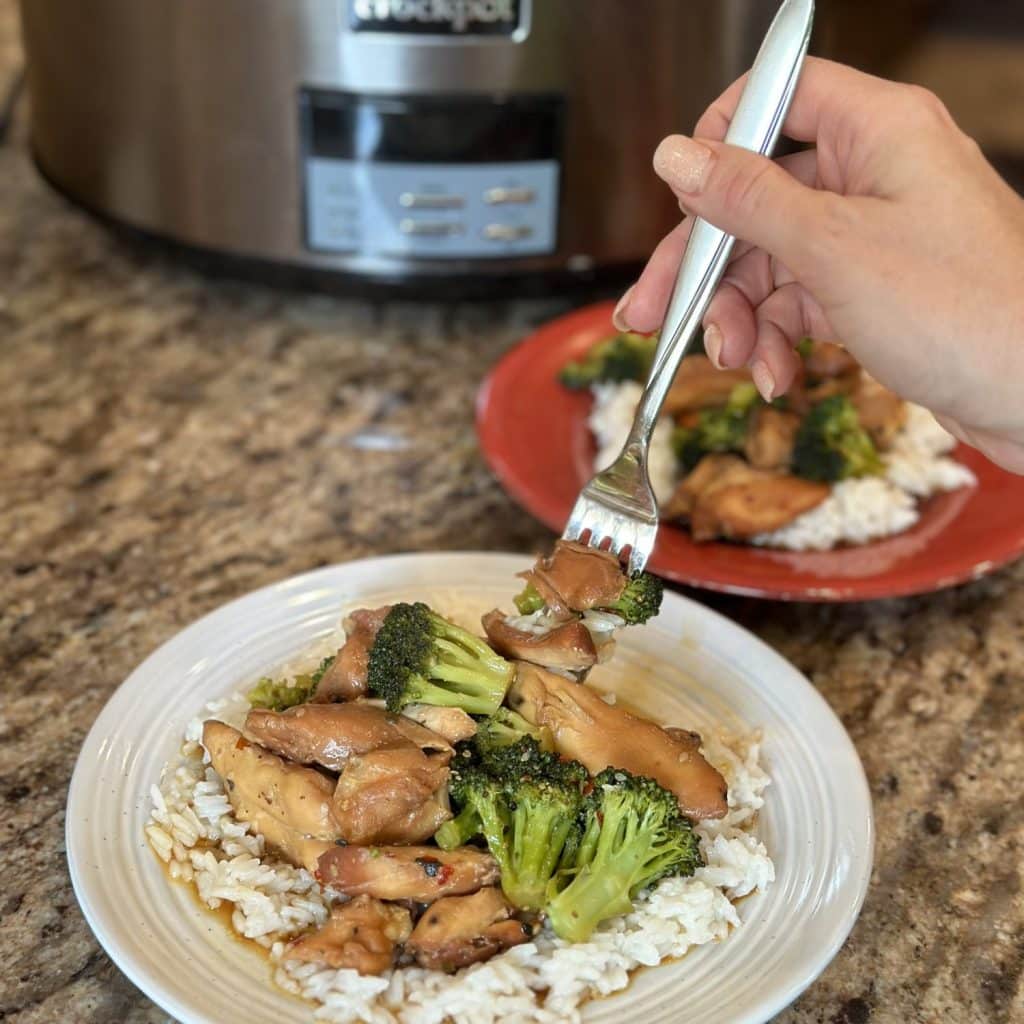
(290, 806)
(462, 930)
(601, 735)
(826, 359)
(390, 796)
(881, 412)
(360, 935)
(770, 437)
(725, 497)
(575, 578)
(330, 734)
(699, 385)
(816, 391)
(453, 724)
(419, 873)
(568, 646)
(346, 677)
(713, 470)
(419, 824)
(760, 503)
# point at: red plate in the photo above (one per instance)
(534, 434)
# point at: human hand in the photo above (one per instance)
(893, 235)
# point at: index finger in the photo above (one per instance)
(826, 92)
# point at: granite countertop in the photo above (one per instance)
(171, 442)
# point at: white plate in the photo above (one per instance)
(689, 667)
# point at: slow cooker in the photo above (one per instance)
(406, 141)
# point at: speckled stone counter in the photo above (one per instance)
(169, 443)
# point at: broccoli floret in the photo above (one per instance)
(831, 444)
(688, 447)
(321, 670)
(805, 347)
(459, 830)
(525, 802)
(742, 398)
(466, 824)
(529, 600)
(623, 357)
(419, 657)
(281, 694)
(540, 821)
(631, 834)
(477, 795)
(717, 430)
(527, 759)
(640, 599)
(506, 727)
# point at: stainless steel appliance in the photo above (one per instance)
(392, 140)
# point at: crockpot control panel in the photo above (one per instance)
(431, 177)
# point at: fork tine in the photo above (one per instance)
(617, 528)
(641, 551)
(577, 520)
(622, 536)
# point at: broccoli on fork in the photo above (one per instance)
(639, 601)
(630, 834)
(524, 802)
(528, 600)
(419, 657)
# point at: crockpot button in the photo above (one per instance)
(431, 228)
(430, 201)
(499, 196)
(507, 232)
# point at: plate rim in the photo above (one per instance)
(866, 588)
(125, 958)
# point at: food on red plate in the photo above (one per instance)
(838, 460)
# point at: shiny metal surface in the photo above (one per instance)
(180, 117)
(618, 504)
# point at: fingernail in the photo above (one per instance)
(713, 340)
(618, 317)
(682, 163)
(763, 379)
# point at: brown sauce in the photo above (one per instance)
(221, 914)
(224, 912)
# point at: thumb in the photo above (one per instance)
(744, 194)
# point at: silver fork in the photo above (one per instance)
(618, 504)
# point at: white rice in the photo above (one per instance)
(610, 420)
(857, 511)
(601, 625)
(192, 829)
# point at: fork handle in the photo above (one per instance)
(755, 125)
